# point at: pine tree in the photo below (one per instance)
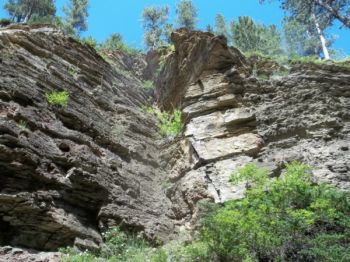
(22, 11)
(168, 30)
(210, 29)
(186, 14)
(311, 15)
(301, 40)
(245, 34)
(333, 9)
(251, 37)
(113, 42)
(220, 26)
(76, 17)
(339, 10)
(154, 20)
(319, 14)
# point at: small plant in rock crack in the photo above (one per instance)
(258, 75)
(169, 124)
(118, 131)
(23, 124)
(73, 71)
(148, 85)
(161, 65)
(281, 73)
(57, 98)
(147, 109)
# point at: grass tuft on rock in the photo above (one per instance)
(58, 98)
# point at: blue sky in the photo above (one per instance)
(123, 16)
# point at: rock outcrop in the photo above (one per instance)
(240, 110)
(68, 173)
(8, 253)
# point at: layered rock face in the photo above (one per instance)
(69, 172)
(234, 116)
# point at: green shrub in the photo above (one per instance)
(147, 109)
(5, 22)
(75, 255)
(73, 71)
(289, 218)
(165, 51)
(90, 41)
(115, 43)
(118, 247)
(159, 256)
(161, 65)
(170, 124)
(306, 60)
(196, 251)
(286, 219)
(57, 98)
(122, 246)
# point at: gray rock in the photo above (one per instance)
(67, 173)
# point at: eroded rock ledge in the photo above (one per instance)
(67, 173)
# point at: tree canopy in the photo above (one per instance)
(154, 23)
(317, 15)
(252, 37)
(220, 26)
(22, 11)
(186, 15)
(76, 17)
(333, 9)
(301, 39)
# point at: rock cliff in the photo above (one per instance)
(239, 110)
(68, 173)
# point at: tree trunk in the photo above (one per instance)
(27, 17)
(322, 38)
(28, 14)
(343, 19)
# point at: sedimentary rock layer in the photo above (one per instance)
(69, 172)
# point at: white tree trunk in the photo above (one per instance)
(322, 38)
(26, 18)
(336, 13)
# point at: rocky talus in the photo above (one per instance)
(69, 172)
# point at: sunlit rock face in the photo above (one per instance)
(239, 110)
(69, 172)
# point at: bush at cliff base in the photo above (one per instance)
(289, 218)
